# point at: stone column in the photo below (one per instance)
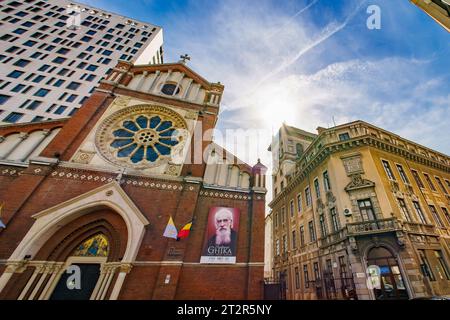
(13, 147)
(125, 268)
(37, 271)
(33, 145)
(54, 269)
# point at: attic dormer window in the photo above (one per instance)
(169, 89)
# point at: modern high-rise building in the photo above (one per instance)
(362, 214)
(439, 10)
(54, 53)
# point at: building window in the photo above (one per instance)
(417, 178)
(425, 266)
(277, 247)
(38, 79)
(326, 181)
(344, 136)
(297, 279)
(73, 85)
(316, 271)
(302, 236)
(60, 110)
(343, 269)
(44, 67)
(299, 202)
(20, 30)
(308, 197)
(169, 89)
(402, 174)
(312, 232)
(59, 60)
(71, 98)
(4, 98)
(294, 239)
(58, 83)
(388, 170)
(317, 188)
(334, 219)
(306, 276)
(37, 119)
(41, 92)
(18, 88)
(33, 105)
(404, 210)
(22, 63)
(447, 216)
(442, 268)
(285, 244)
(441, 185)
(366, 210)
(13, 117)
(430, 183)
(419, 212)
(323, 226)
(436, 216)
(29, 43)
(92, 67)
(291, 208)
(15, 74)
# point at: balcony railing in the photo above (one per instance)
(419, 228)
(333, 238)
(373, 226)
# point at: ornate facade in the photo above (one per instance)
(364, 215)
(96, 191)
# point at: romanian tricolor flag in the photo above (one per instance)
(2, 225)
(184, 233)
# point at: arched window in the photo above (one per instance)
(96, 246)
(169, 89)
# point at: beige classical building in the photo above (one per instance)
(363, 214)
(439, 10)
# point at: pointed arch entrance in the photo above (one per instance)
(57, 238)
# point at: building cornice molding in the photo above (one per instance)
(366, 140)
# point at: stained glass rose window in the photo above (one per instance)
(141, 136)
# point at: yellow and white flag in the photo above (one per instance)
(171, 230)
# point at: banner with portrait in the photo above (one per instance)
(219, 246)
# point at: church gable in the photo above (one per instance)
(174, 81)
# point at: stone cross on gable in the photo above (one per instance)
(184, 58)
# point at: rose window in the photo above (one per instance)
(144, 138)
(141, 136)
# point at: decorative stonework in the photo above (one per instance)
(10, 172)
(358, 182)
(353, 164)
(83, 157)
(141, 137)
(144, 183)
(226, 195)
(122, 101)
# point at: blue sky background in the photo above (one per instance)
(309, 61)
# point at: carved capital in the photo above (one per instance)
(16, 266)
(126, 267)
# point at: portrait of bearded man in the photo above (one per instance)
(223, 242)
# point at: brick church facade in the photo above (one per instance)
(97, 191)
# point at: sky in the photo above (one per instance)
(311, 63)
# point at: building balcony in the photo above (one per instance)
(333, 238)
(371, 227)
